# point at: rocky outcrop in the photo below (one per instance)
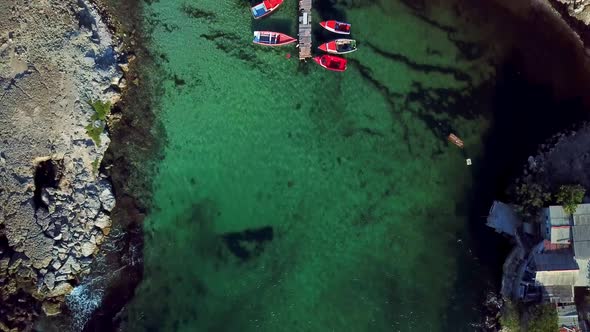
(579, 9)
(55, 57)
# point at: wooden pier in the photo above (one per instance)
(304, 29)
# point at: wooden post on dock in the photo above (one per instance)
(304, 29)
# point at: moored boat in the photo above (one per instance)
(339, 46)
(270, 38)
(265, 8)
(336, 27)
(331, 62)
(455, 140)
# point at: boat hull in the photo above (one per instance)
(271, 38)
(331, 62)
(336, 27)
(339, 46)
(265, 8)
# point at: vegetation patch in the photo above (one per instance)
(535, 318)
(98, 120)
(198, 13)
(530, 199)
(95, 165)
(569, 196)
(510, 318)
(101, 110)
(542, 318)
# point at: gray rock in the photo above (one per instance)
(62, 277)
(88, 248)
(107, 199)
(49, 280)
(92, 206)
(63, 288)
(56, 264)
(102, 221)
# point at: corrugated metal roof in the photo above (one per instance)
(560, 234)
(583, 219)
(582, 209)
(582, 215)
(557, 216)
(581, 235)
(556, 278)
(555, 262)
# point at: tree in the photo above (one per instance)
(530, 198)
(569, 196)
(510, 318)
(542, 318)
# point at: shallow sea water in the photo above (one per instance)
(291, 198)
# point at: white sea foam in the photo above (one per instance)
(82, 302)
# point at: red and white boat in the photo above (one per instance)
(270, 38)
(339, 46)
(331, 62)
(336, 27)
(265, 8)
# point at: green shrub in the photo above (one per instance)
(101, 110)
(94, 132)
(510, 318)
(569, 196)
(95, 165)
(542, 318)
(99, 118)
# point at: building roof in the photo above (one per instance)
(582, 215)
(581, 235)
(503, 218)
(557, 216)
(548, 246)
(555, 261)
(556, 278)
(583, 279)
(559, 294)
(560, 234)
(556, 268)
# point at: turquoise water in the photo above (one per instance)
(291, 198)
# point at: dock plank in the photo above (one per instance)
(305, 39)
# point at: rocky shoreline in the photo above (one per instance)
(55, 58)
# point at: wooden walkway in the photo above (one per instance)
(304, 29)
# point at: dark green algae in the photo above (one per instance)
(308, 209)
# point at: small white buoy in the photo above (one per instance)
(468, 161)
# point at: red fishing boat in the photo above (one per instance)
(339, 46)
(265, 7)
(336, 27)
(455, 140)
(270, 38)
(331, 62)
